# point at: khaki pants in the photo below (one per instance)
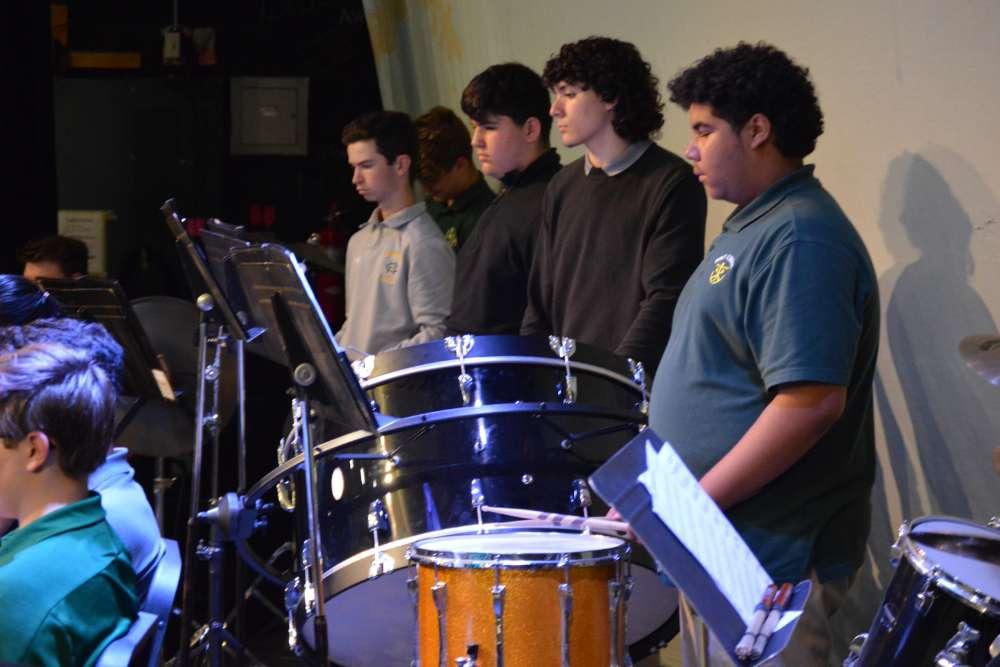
(810, 645)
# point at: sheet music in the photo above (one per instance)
(680, 502)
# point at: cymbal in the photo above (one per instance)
(982, 354)
(315, 255)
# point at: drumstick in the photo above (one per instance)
(566, 520)
(745, 647)
(781, 601)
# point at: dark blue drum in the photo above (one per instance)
(508, 422)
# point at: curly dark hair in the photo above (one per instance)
(442, 138)
(512, 90)
(617, 73)
(69, 253)
(393, 132)
(746, 79)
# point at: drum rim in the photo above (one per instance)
(521, 560)
(908, 546)
(494, 360)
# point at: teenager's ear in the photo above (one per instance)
(532, 129)
(402, 164)
(38, 451)
(758, 130)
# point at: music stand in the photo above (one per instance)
(617, 482)
(219, 318)
(265, 270)
(277, 293)
(103, 300)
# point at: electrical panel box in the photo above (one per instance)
(270, 115)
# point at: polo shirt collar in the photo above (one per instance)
(628, 157)
(398, 219)
(76, 515)
(739, 219)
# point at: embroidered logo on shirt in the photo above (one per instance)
(723, 265)
(390, 267)
(451, 236)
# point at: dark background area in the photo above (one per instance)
(125, 140)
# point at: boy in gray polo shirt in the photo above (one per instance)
(765, 386)
(400, 270)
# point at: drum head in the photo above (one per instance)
(519, 549)
(962, 551)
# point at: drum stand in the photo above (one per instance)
(213, 636)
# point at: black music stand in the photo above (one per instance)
(104, 301)
(277, 292)
(219, 328)
(617, 483)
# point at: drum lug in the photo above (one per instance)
(308, 587)
(470, 657)
(414, 591)
(566, 606)
(293, 594)
(614, 603)
(925, 598)
(854, 650)
(579, 497)
(564, 348)
(498, 592)
(461, 345)
(956, 652)
(639, 377)
(439, 592)
(378, 520)
(477, 498)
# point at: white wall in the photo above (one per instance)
(911, 92)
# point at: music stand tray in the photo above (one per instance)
(617, 483)
(267, 270)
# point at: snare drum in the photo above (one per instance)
(521, 598)
(943, 604)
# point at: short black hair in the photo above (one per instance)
(617, 73)
(747, 79)
(393, 132)
(91, 337)
(508, 89)
(442, 138)
(65, 394)
(69, 253)
(22, 301)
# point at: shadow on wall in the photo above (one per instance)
(944, 466)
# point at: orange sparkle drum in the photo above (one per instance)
(521, 599)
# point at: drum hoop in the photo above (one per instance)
(373, 382)
(520, 561)
(270, 480)
(925, 567)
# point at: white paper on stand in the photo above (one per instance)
(681, 503)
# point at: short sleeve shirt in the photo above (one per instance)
(786, 294)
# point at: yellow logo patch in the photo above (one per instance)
(723, 265)
(390, 267)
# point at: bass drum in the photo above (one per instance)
(422, 475)
(942, 606)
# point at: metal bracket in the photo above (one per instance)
(378, 520)
(439, 591)
(566, 606)
(639, 377)
(579, 497)
(461, 345)
(956, 652)
(564, 348)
